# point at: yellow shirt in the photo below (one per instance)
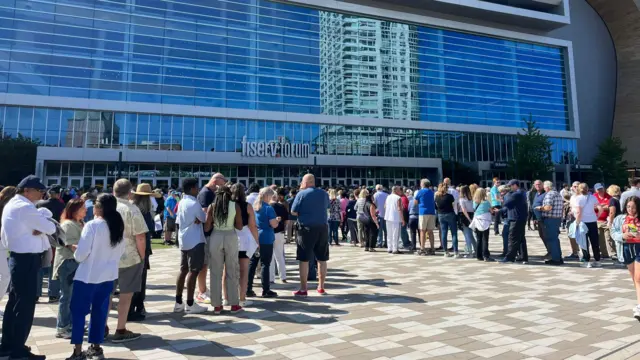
(133, 225)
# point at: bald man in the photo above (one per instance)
(206, 196)
(310, 206)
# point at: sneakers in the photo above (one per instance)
(124, 336)
(95, 353)
(447, 254)
(225, 302)
(203, 298)
(81, 356)
(300, 293)
(236, 309)
(53, 299)
(63, 333)
(246, 303)
(456, 255)
(586, 264)
(217, 310)
(596, 264)
(636, 312)
(178, 308)
(321, 291)
(251, 293)
(195, 309)
(269, 294)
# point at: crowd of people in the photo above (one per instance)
(95, 246)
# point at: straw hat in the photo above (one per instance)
(145, 189)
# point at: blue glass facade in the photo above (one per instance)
(258, 54)
(140, 131)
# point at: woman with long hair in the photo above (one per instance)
(281, 208)
(334, 217)
(481, 223)
(224, 218)
(64, 265)
(247, 239)
(267, 221)
(465, 217)
(369, 220)
(584, 210)
(625, 232)
(445, 204)
(98, 254)
(6, 194)
(141, 198)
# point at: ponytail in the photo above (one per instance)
(107, 204)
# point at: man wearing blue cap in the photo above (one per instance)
(24, 231)
(517, 211)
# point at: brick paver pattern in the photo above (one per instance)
(383, 306)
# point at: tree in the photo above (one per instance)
(18, 158)
(609, 165)
(532, 158)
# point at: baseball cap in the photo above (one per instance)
(513, 182)
(55, 189)
(598, 186)
(31, 182)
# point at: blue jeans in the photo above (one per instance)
(551, 233)
(469, 239)
(404, 235)
(334, 225)
(383, 228)
(90, 299)
(449, 222)
(53, 289)
(266, 253)
(505, 238)
(66, 271)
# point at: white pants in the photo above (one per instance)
(5, 275)
(278, 258)
(393, 233)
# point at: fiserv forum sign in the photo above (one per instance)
(279, 148)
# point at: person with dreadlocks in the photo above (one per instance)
(224, 216)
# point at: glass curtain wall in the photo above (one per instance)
(258, 54)
(110, 130)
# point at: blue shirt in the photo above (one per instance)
(426, 203)
(311, 206)
(171, 204)
(266, 235)
(495, 194)
(482, 208)
(516, 204)
(537, 201)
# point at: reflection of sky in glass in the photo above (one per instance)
(109, 130)
(257, 54)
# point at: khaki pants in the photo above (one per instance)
(362, 234)
(223, 253)
(605, 240)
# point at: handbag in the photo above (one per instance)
(463, 221)
(365, 216)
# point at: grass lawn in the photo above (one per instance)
(159, 244)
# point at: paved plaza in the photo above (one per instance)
(384, 306)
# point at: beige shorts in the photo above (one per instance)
(427, 222)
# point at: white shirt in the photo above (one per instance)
(587, 203)
(19, 219)
(634, 191)
(391, 211)
(98, 259)
(190, 234)
(451, 190)
(251, 198)
(154, 204)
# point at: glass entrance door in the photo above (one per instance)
(162, 183)
(244, 181)
(341, 182)
(278, 181)
(262, 182)
(99, 183)
(52, 181)
(74, 181)
(326, 182)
